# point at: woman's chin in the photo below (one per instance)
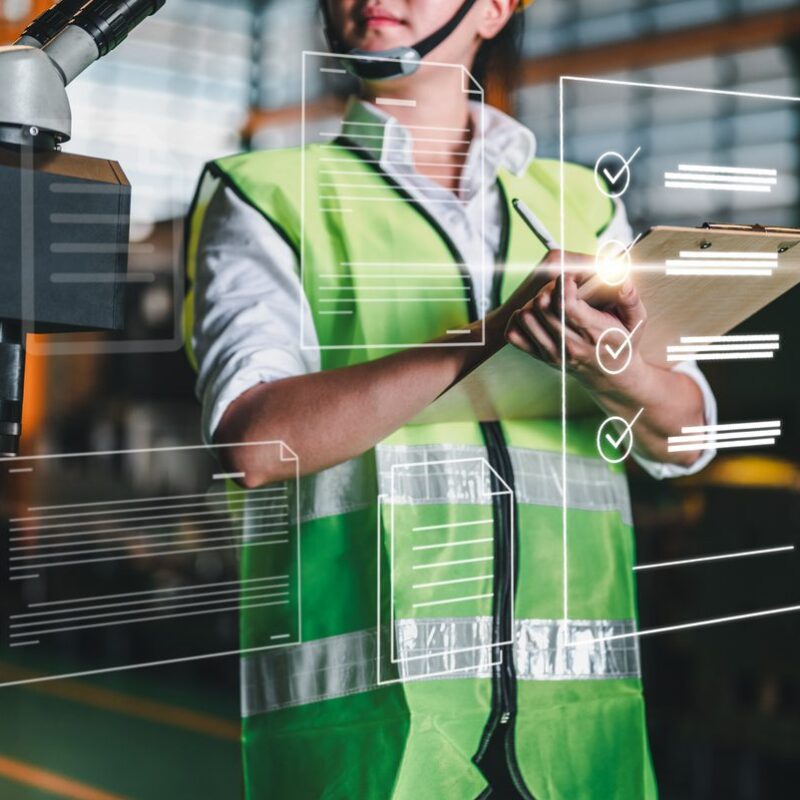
(379, 39)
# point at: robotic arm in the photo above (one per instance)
(66, 277)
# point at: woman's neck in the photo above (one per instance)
(434, 108)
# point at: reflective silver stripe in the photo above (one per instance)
(446, 646)
(458, 647)
(537, 655)
(353, 485)
(347, 487)
(306, 673)
(592, 486)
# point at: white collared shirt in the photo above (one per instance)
(247, 314)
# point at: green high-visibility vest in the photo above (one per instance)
(452, 630)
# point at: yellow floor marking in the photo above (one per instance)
(110, 700)
(20, 772)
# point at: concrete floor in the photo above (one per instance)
(139, 735)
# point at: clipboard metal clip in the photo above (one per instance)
(770, 229)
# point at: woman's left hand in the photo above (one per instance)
(625, 385)
(536, 328)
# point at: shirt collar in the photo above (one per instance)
(508, 144)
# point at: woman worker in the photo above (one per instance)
(492, 692)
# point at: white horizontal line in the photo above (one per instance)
(731, 426)
(170, 607)
(462, 153)
(225, 521)
(20, 469)
(730, 254)
(99, 248)
(394, 299)
(410, 127)
(395, 101)
(87, 599)
(451, 600)
(126, 547)
(242, 590)
(454, 580)
(253, 492)
(82, 188)
(721, 557)
(685, 89)
(146, 540)
(453, 525)
(266, 503)
(683, 176)
(442, 264)
(458, 332)
(378, 161)
(720, 356)
(335, 71)
(164, 616)
(22, 577)
(330, 209)
(728, 170)
(395, 287)
(226, 526)
(219, 476)
(335, 312)
(740, 347)
(107, 614)
(737, 273)
(755, 337)
(405, 200)
(386, 276)
(280, 636)
(687, 625)
(101, 277)
(430, 174)
(146, 555)
(88, 219)
(719, 187)
(679, 448)
(720, 262)
(452, 544)
(715, 437)
(452, 563)
(381, 136)
(382, 188)
(23, 644)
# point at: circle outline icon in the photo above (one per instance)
(605, 188)
(628, 346)
(623, 255)
(628, 435)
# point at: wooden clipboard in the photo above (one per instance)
(705, 302)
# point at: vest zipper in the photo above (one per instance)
(504, 677)
(504, 694)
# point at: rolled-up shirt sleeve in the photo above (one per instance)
(620, 230)
(248, 307)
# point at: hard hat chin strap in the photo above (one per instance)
(380, 65)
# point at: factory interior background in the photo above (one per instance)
(203, 79)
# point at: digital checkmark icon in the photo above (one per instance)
(613, 261)
(613, 365)
(621, 442)
(626, 164)
(613, 181)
